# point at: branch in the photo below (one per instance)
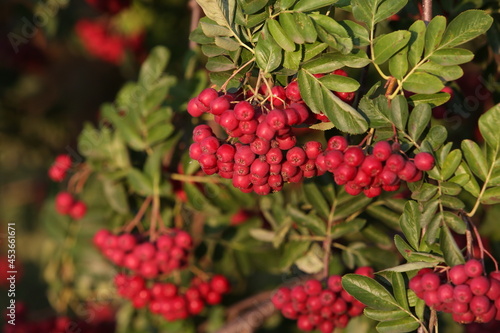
(427, 11)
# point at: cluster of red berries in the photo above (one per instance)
(316, 308)
(67, 205)
(148, 259)
(371, 172)
(266, 155)
(469, 295)
(104, 43)
(109, 6)
(167, 300)
(60, 167)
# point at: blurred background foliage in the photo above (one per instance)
(50, 85)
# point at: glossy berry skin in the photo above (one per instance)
(457, 275)
(479, 285)
(382, 150)
(292, 91)
(473, 268)
(313, 287)
(244, 111)
(337, 143)
(296, 156)
(193, 109)
(354, 156)
(207, 96)
(424, 161)
(220, 284)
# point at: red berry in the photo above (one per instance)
(220, 284)
(372, 192)
(335, 283)
(193, 109)
(201, 132)
(274, 156)
(408, 172)
(494, 291)
(313, 149)
(365, 270)
(327, 297)
(260, 146)
(459, 307)
(313, 287)
(195, 151)
(229, 122)
(445, 293)
(278, 95)
(457, 275)
(288, 311)
(244, 156)
(78, 210)
(479, 305)
(337, 143)
(462, 293)
(292, 91)
(473, 268)
(195, 306)
(354, 156)
(339, 306)
(424, 161)
(208, 161)
(333, 159)
(225, 153)
(265, 131)
(371, 166)
(64, 201)
(207, 96)
(281, 297)
(183, 239)
(209, 145)
(57, 173)
(395, 163)
(219, 105)
(431, 298)
(276, 119)
(345, 173)
(479, 285)
(126, 242)
(244, 111)
(304, 324)
(296, 156)
(286, 142)
(326, 326)
(298, 294)
(382, 150)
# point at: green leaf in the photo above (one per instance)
(285, 4)
(466, 26)
(450, 57)
(487, 126)
(211, 50)
(313, 49)
(347, 227)
(388, 45)
(425, 193)
(320, 99)
(292, 59)
(434, 33)
(153, 66)
(310, 263)
(437, 136)
(475, 158)
(419, 119)
(323, 64)
(116, 196)
(139, 182)
(454, 222)
(316, 199)
(290, 27)
(357, 32)
(365, 11)
(369, 292)
(410, 223)
(377, 234)
(253, 6)
(450, 164)
(382, 315)
(432, 99)
(263, 235)
(399, 112)
(428, 212)
(398, 64)
(267, 52)
(491, 196)
(219, 64)
(351, 206)
(322, 126)
(411, 266)
(446, 73)
(227, 43)
(471, 185)
(198, 200)
(292, 251)
(199, 37)
(311, 221)
(451, 252)
(310, 5)
(306, 27)
(399, 289)
(408, 324)
(279, 35)
(416, 43)
(339, 83)
(422, 83)
(220, 11)
(388, 217)
(451, 188)
(388, 8)
(403, 247)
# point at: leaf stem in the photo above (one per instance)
(137, 219)
(223, 87)
(483, 189)
(327, 243)
(196, 179)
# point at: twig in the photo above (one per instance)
(427, 11)
(196, 179)
(195, 18)
(137, 219)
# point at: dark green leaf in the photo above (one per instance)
(211, 50)
(453, 56)
(198, 200)
(378, 234)
(227, 43)
(285, 4)
(347, 227)
(365, 11)
(199, 37)
(353, 205)
(416, 43)
(292, 59)
(399, 112)
(388, 45)
(428, 212)
(451, 188)
(410, 223)
(381, 315)
(316, 199)
(268, 54)
(403, 247)
(425, 193)
(399, 289)
(451, 252)
(312, 50)
(292, 251)
(487, 126)
(398, 64)
(471, 185)
(434, 33)
(290, 27)
(423, 83)
(357, 32)
(491, 196)
(311, 221)
(446, 73)
(388, 8)
(221, 11)
(385, 215)
(116, 196)
(219, 64)
(324, 64)
(369, 292)
(411, 266)
(153, 66)
(320, 99)
(475, 158)
(140, 183)
(339, 83)
(310, 263)
(436, 136)
(408, 324)
(306, 27)
(466, 26)
(253, 6)
(432, 99)
(450, 164)
(310, 5)
(279, 35)
(454, 222)
(419, 119)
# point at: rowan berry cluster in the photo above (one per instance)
(143, 257)
(167, 300)
(66, 204)
(266, 154)
(371, 172)
(466, 292)
(59, 169)
(315, 307)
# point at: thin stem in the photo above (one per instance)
(154, 218)
(483, 189)
(198, 272)
(327, 243)
(223, 87)
(137, 219)
(196, 179)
